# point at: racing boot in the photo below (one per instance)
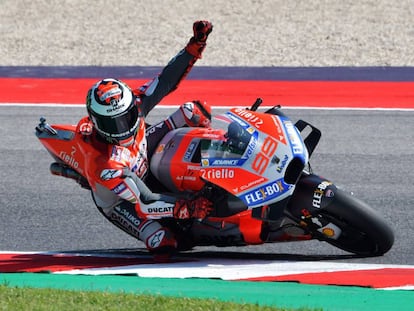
(193, 114)
(158, 240)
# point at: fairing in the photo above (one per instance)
(252, 170)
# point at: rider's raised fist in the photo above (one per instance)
(201, 30)
(197, 43)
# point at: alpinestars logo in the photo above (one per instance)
(107, 174)
(155, 240)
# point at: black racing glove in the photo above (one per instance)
(201, 30)
(197, 43)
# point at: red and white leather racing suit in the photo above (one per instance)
(115, 173)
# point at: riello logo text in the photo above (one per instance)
(69, 159)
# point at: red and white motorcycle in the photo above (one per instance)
(254, 167)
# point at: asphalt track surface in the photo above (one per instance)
(366, 152)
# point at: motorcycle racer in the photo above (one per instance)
(117, 144)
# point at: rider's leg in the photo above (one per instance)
(158, 239)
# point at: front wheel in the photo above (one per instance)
(337, 217)
(363, 230)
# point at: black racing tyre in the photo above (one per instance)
(364, 231)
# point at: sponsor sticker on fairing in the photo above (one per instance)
(217, 173)
(294, 138)
(266, 192)
(190, 151)
(249, 116)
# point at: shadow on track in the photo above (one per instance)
(142, 252)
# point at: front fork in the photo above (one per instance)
(312, 195)
(302, 216)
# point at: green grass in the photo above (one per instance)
(17, 298)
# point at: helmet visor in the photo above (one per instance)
(119, 127)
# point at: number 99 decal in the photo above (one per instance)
(262, 159)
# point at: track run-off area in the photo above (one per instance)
(365, 115)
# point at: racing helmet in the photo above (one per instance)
(113, 111)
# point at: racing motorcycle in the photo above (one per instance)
(254, 167)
